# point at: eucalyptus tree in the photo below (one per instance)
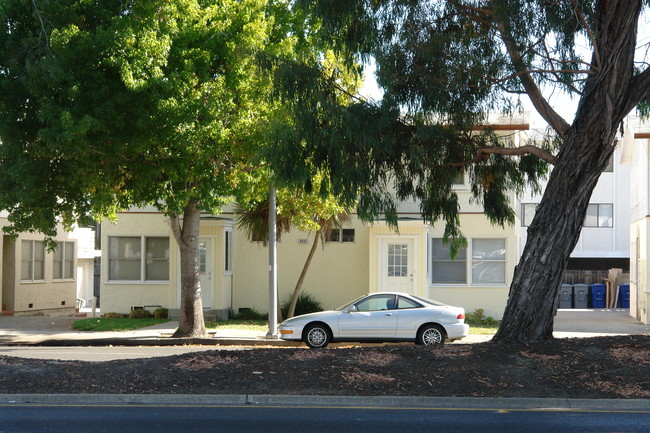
(443, 66)
(112, 104)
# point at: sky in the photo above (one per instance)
(560, 101)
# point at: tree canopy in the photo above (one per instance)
(443, 67)
(112, 104)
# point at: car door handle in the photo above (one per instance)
(389, 314)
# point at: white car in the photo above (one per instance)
(379, 317)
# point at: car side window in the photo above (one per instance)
(405, 303)
(376, 303)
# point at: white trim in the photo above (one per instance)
(142, 258)
(468, 265)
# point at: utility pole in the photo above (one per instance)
(273, 267)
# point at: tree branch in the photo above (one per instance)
(541, 104)
(528, 149)
(40, 19)
(639, 90)
(482, 153)
(583, 20)
(176, 229)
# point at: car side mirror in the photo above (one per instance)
(351, 309)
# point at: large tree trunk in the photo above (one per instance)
(191, 324)
(303, 274)
(586, 150)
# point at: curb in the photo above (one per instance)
(154, 341)
(369, 402)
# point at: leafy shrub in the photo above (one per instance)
(115, 316)
(161, 313)
(477, 317)
(248, 314)
(140, 313)
(306, 304)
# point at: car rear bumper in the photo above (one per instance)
(457, 331)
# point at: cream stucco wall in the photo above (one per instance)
(414, 231)
(122, 296)
(339, 271)
(637, 154)
(47, 296)
(491, 298)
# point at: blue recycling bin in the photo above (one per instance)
(598, 294)
(624, 295)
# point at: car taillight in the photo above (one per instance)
(461, 316)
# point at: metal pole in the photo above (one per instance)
(273, 268)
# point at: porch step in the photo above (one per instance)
(7, 313)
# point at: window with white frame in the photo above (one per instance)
(398, 260)
(64, 261)
(459, 179)
(444, 268)
(340, 235)
(138, 258)
(489, 261)
(32, 260)
(600, 215)
(486, 265)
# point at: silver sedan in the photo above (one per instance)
(379, 317)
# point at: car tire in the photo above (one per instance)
(430, 335)
(317, 336)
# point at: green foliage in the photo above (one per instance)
(161, 313)
(306, 304)
(477, 317)
(113, 324)
(140, 313)
(115, 316)
(443, 68)
(108, 105)
(248, 314)
(304, 207)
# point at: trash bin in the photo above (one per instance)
(580, 292)
(624, 295)
(598, 292)
(566, 296)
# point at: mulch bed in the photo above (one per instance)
(602, 367)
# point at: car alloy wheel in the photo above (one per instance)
(317, 336)
(431, 334)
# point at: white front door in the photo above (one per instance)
(206, 271)
(398, 268)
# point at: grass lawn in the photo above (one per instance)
(248, 325)
(483, 329)
(114, 324)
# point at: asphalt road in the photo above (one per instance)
(322, 419)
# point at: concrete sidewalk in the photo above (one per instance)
(57, 331)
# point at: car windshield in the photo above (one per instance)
(345, 306)
(429, 301)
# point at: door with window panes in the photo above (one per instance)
(398, 267)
